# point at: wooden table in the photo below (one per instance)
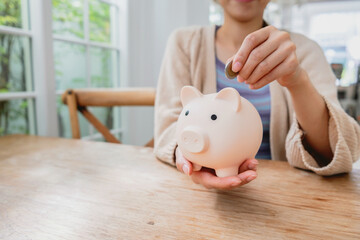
(70, 189)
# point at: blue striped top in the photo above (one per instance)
(260, 98)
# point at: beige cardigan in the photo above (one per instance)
(190, 60)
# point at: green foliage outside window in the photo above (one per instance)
(68, 18)
(99, 18)
(10, 13)
(71, 65)
(68, 21)
(13, 114)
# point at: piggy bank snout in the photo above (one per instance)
(193, 140)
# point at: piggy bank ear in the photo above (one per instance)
(188, 93)
(231, 96)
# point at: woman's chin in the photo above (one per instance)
(243, 1)
(243, 17)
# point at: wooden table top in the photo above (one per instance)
(54, 188)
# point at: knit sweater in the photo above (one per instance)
(190, 60)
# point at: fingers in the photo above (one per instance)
(269, 63)
(257, 56)
(182, 164)
(207, 177)
(266, 55)
(196, 167)
(209, 180)
(247, 176)
(250, 42)
(285, 68)
(248, 164)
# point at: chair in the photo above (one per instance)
(80, 99)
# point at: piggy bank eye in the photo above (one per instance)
(213, 117)
(187, 113)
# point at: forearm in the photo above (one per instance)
(313, 117)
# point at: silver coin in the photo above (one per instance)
(229, 72)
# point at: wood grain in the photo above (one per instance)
(114, 97)
(79, 99)
(71, 189)
(72, 103)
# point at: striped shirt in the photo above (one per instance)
(260, 98)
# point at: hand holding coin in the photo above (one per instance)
(266, 55)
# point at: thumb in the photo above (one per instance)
(182, 164)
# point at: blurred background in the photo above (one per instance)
(48, 46)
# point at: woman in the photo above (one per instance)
(288, 73)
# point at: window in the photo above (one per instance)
(216, 14)
(334, 25)
(17, 97)
(84, 51)
(338, 33)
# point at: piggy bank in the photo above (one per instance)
(218, 131)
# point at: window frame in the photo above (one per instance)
(40, 33)
(26, 32)
(87, 44)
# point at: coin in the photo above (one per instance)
(228, 71)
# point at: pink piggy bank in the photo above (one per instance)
(219, 130)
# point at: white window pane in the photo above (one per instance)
(101, 20)
(15, 66)
(70, 72)
(68, 18)
(103, 70)
(14, 13)
(338, 33)
(70, 65)
(216, 14)
(17, 117)
(103, 74)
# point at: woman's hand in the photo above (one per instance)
(207, 177)
(266, 55)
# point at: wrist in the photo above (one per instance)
(299, 83)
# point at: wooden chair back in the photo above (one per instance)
(80, 99)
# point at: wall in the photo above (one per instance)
(150, 23)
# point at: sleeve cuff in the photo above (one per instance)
(167, 153)
(299, 157)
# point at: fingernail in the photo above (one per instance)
(235, 183)
(186, 169)
(253, 165)
(236, 67)
(250, 178)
